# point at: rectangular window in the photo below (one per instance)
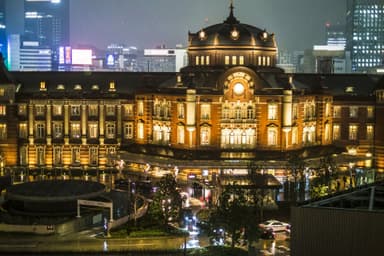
(40, 156)
(128, 130)
(57, 110)
(294, 110)
(111, 153)
(207, 60)
(234, 60)
(75, 110)
(75, 155)
(336, 111)
(336, 132)
(3, 131)
(226, 58)
(40, 110)
(295, 136)
(205, 136)
(57, 156)
(272, 111)
(57, 130)
(241, 60)
(180, 134)
(353, 111)
(110, 110)
(40, 131)
(93, 130)
(128, 110)
(197, 61)
(180, 110)
(202, 62)
(22, 110)
(370, 112)
(75, 131)
(205, 111)
(3, 110)
(140, 108)
(93, 156)
(353, 128)
(272, 136)
(140, 130)
(370, 132)
(110, 130)
(23, 131)
(93, 110)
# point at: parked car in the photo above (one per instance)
(267, 234)
(275, 225)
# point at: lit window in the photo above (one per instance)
(336, 132)
(309, 134)
(75, 155)
(295, 136)
(327, 135)
(3, 110)
(205, 134)
(180, 134)
(75, 130)
(57, 110)
(207, 60)
(226, 60)
(234, 60)
(353, 111)
(57, 155)
(197, 61)
(205, 111)
(140, 108)
(92, 110)
(40, 131)
(370, 132)
(40, 110)
(128, 130)
(93, 130)
(202, 60)
(336, 111)
(3, 131)
(110, 109)
(22, 110)
(23, 155)
(57, 130)
(93, 156)
(112, 86)
(272, 111)
(43, 86)
(40, 156)
(140, 130)
(128, 110)
(241, 60)
(353, 128)
(110, 131)
(75, 110)
(180, 110)
(370, 112)
(2, 92)
(23, 131)
(272, 136)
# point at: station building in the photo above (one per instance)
(230, 108)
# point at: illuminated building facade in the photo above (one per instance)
(229, 108)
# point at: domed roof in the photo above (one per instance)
(232, 33)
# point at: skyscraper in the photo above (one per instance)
(47, 22)
(365, 33)
(3, 37)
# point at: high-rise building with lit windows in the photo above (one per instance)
(47, 22)
(365, 33)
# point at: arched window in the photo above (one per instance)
(205, 135)
(272, 136)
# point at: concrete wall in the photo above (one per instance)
(326, 231)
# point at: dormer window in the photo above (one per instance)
(349, 89)
(95, 87)
(77, 87)
(202, 35)
(264, 35)
(43, 86)
(60, 87)
(112, 87)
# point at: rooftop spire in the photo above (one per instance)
(231, 18)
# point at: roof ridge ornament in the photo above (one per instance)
(231, 18)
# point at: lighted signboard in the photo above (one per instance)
(81, 57)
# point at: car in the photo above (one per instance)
(275, 225)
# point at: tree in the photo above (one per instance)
(297, 165)
(167, 201)
(231, 212)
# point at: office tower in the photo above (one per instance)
(164, 60)
(335, 34)
(3, 37)
(47, 22)
(365, 33)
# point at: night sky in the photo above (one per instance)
(297, 24)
